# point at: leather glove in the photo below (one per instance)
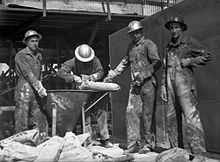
(77, 79)
(41, 90)
(138, 79)
(85, 78)
(163, 93)
(107, 80)
(185, 62)
(92, 77)
(111, 75)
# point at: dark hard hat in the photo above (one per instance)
(176, 19)
(29, 34)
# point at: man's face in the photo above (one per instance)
(32, 43)
(136, 35)
(176, 30)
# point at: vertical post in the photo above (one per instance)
(10, 57)
(168, 3)
(108, 10)
(44, 8)
(83, 118)
(142, 6)
(54, 119)
(58, 51)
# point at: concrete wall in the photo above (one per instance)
(202, 17)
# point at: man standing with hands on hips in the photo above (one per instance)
(183, 53)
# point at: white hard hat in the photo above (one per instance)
(84, 53)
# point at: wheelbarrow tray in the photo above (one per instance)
(68, 104)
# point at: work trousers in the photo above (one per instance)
(182, 102)
(139, 115)
(28, 114)
(99, 113)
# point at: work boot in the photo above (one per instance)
(134, 148)
(200, 157)
(145, 149)
(106, 143)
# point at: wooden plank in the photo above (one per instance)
(7, 108)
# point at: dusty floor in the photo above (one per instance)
(148, 157)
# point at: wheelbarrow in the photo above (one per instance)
(63, 108)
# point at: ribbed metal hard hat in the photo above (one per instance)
(29, 34)
(134, 25)
(84, 53)
(176, 19)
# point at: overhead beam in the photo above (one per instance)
(94, 32)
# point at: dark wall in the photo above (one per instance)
(202, 17)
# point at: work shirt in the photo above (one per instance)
(78, 68)
(142, 57)
(189, 50)
(28, 69)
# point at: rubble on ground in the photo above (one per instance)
(28, 146)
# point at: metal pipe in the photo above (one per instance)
(96, 101)
(54, 119)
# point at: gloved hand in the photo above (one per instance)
(163, 93)
(107, 80)
(41, 90)
(111, 75)
(185, 62)
(138, 79)
(77, 79)
(85, 78)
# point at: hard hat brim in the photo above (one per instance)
(90, 58)
(25, 38)
(130, 31)
(167, 25)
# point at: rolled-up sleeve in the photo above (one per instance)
(200, 55)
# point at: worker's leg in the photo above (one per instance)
(21, 115)
(194, 129)
(148, 108)
(133, 114)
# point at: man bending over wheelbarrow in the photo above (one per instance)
(85, 66)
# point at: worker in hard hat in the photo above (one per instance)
(29, 90)
(142, 56)
(182, 54)
(85, 66)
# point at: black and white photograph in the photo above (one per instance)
(109, 80)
